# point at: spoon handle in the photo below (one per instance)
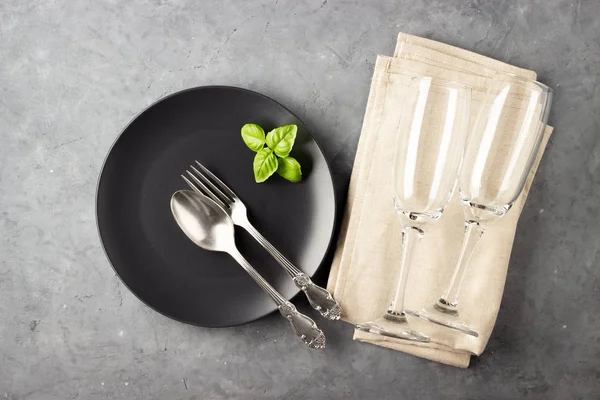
(320, 299)
(304, 327)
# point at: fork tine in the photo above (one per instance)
(204, 190)
(191, 185)
(212, 186)
(223, 186)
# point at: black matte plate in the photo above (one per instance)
(149, 252)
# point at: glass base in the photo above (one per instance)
(445, 319)
(393, 329)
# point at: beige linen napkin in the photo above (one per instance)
(366, 259)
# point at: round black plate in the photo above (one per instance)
(155, 259)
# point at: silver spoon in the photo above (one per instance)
(209, 226)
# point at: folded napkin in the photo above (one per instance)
(367, 256)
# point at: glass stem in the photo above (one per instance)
(473, 231)
(410, 237)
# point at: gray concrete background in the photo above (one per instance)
(74, 72)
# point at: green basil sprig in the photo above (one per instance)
(275, 157)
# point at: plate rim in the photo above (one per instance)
(160, 100)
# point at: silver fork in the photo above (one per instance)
(319, 298)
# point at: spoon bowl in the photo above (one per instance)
(203, 221)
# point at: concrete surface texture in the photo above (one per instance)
(74, 72)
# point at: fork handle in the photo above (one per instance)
(304, 327)
(320, 299)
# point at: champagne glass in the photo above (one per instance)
(501, 150)
(431, 138)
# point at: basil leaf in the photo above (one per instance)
(265, 165)
(289, 169)
(281, 140)
(254, 136)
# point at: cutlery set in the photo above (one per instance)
(207, 215)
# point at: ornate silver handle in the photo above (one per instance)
(319, 298)
(304, 327)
